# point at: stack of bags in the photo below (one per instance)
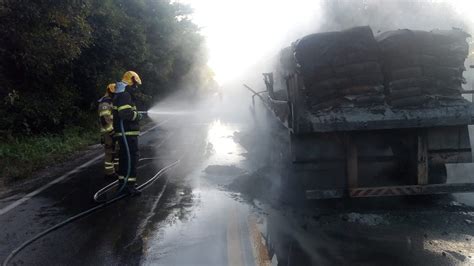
(423, 67)
(341, 69)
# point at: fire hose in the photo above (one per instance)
(86, 212)
(118, 196)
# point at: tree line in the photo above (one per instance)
(57, 57)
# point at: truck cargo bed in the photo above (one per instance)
(385, 117)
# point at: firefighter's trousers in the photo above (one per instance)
(123, 158)
(110, 158)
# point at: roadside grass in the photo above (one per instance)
(20, 157)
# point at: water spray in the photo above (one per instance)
(155, 112)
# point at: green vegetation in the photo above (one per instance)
(58, 57)
(23, 155)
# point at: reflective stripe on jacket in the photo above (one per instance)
(105, 115)
(125, 109)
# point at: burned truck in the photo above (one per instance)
(373, 115)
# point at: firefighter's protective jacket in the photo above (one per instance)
(126, 110)
(105, 110)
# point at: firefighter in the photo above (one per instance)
(107, 132)
(125, 112)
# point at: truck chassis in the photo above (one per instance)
(370, 152)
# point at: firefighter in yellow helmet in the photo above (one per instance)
(107, 132)
(126, 118)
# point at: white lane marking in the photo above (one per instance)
(151, 213)
(157, 125)
(41, 189)
(59, 179)
(155, 158)
(234, 242)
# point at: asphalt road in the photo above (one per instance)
(194, 216)
(182, 219)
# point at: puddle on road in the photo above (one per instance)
(216, 227)
(212, 228)
(225, 162)
(224, 150)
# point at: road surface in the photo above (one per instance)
(197, 215)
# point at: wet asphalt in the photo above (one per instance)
(181, 219)
(190, 216)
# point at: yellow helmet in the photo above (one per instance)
(110, 88)
(130, 76)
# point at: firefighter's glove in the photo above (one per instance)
(140, 116)
(102, 139)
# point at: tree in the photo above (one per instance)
(60, 56)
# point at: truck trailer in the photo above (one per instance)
(372, 116)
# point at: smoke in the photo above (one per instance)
(244, 38)
(400, 14)
(391, 15)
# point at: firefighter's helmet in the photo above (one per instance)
(110, 88)
(130, 78)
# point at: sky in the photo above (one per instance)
(239, 33)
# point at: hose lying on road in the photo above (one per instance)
(108, 187)
(125, 180)
(87, 212)
(129, 167)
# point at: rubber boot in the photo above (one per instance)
(131, 189)
(120, 184)
(111, 177)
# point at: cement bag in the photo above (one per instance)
(405, 92)
(362, 90)
(436, 42)
(447, 50)
(445, 84)
(354, 57)
(367, 100)
(330, 84)
(365, 68)
(334, 103)
(451, 42)
(410, 101)
(451, 60)
(442, 73)
(403, 42)
(411, 82)
(336, 48)
(367, 80)
(399, 62)
(406, 73)
(319, 96)
(317, 73)
(449, 98)
(445, 90)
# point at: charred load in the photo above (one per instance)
(423, 67)
(341, 68)
(370, 116)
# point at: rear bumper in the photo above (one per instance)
(391, 191)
